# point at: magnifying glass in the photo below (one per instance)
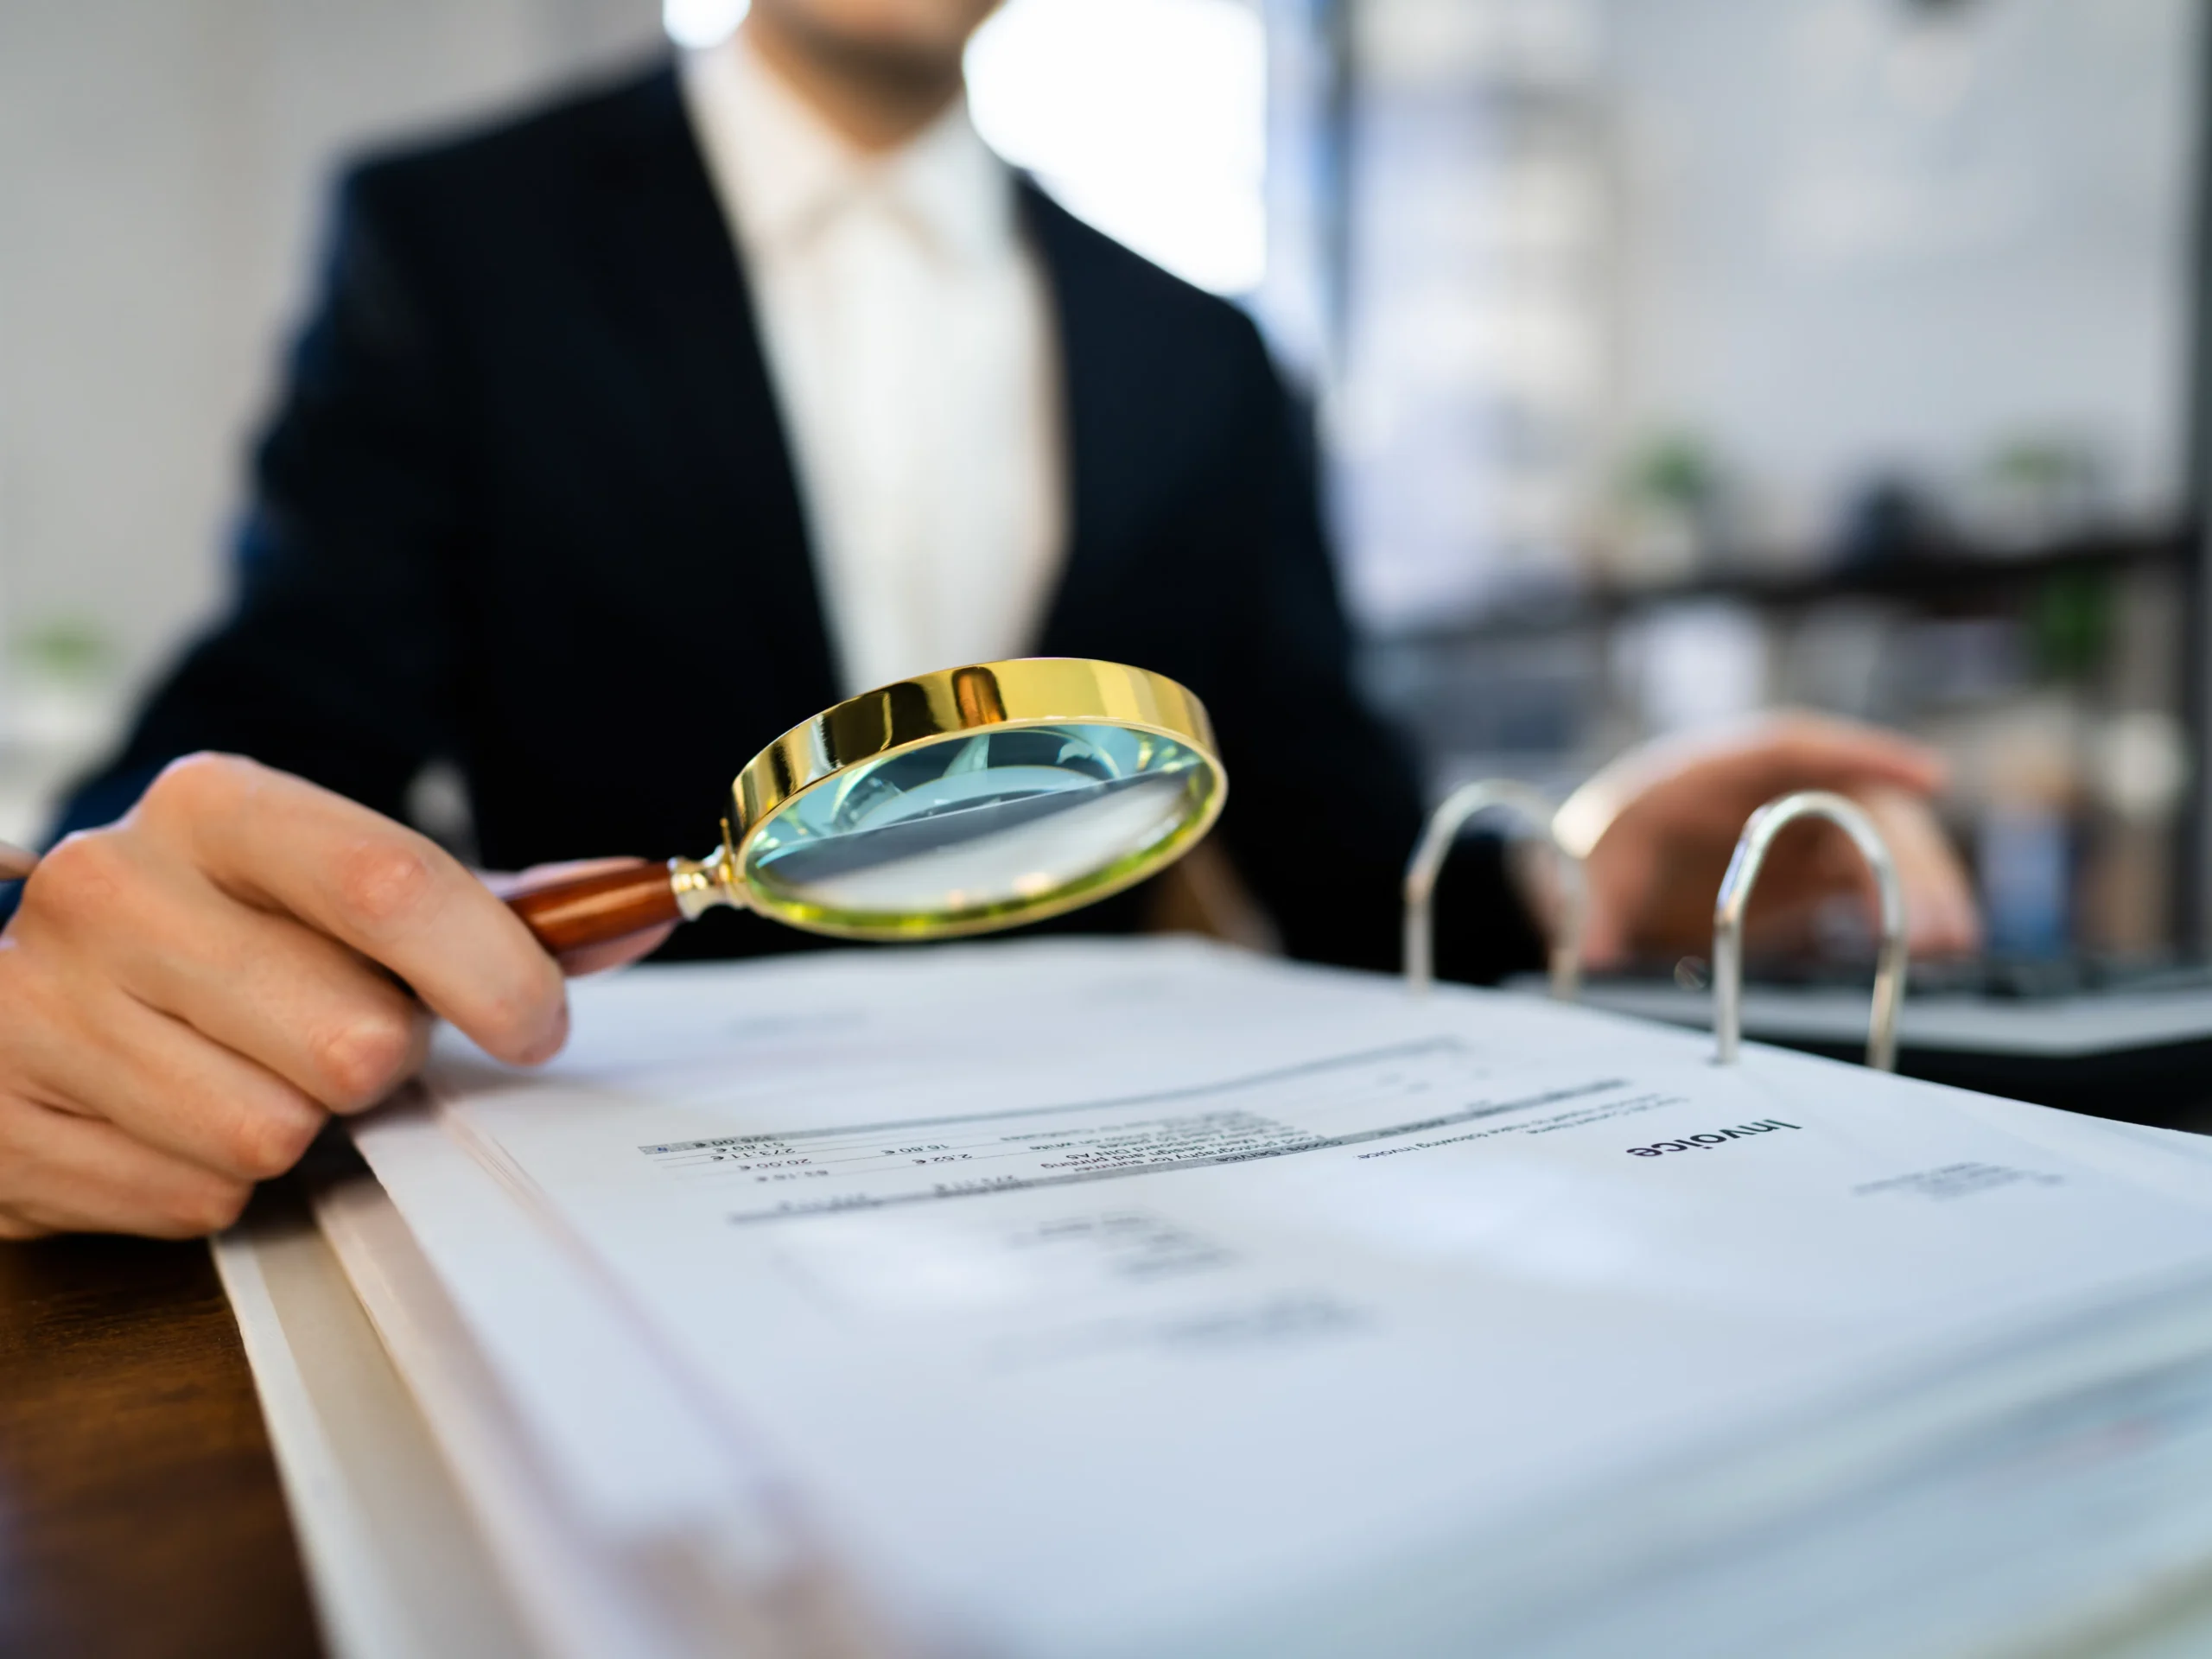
(956, 803)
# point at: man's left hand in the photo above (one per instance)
(1666, 818)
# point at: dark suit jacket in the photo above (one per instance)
(526, 503)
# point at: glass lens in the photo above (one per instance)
(978, 825)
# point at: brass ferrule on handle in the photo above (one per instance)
(703, 884)
(1533, 811)
(1760, 831)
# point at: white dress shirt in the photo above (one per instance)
(907, 329)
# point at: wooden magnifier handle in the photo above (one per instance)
(589, 910)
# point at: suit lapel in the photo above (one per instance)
(671, 273)
(1103, 478)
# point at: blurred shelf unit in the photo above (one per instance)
(2055, 679)
(1937, 577)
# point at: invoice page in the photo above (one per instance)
(1093, 1291)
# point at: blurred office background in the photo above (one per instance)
(1672, 358)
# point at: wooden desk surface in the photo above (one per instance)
(140, 1513)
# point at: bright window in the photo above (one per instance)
(1148, 117)
(701, 23)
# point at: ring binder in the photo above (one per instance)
(1534, 810)
(1760, 831)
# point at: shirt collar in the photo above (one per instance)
(785, 173)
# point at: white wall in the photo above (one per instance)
(1867, 231)
(162, 166)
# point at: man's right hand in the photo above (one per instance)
(186, 995)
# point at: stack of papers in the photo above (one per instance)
(1145, 1298)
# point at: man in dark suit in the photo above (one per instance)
(561, 489)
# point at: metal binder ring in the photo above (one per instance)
(1530, 805)
(1760, 831)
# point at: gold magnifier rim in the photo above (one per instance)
(1007, 695)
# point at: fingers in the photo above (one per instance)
(186, 995)
(84, 1044)
(1813, 864)
(1707, 783)
(373, 885)
(1940, 916)
(1619, 881)
(165, 1085)
(1805, 751)
(64, 1173)
(1662, 826)
(313, 1012)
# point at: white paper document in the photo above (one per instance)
(1143, 1297)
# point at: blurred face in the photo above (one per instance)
(898, 38)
